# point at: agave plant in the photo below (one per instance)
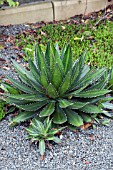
(110, 84)
(55, 86)
(42, 132)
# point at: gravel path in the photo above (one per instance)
(87, 150)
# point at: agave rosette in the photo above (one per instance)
(57, 87)
(41, 132)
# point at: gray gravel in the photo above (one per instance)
(87, 150)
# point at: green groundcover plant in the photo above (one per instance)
(69, 92)
(3, 104)
(10, 3)
(97, 39)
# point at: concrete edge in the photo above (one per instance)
(27, 14)
(49, 11)
(66, 9)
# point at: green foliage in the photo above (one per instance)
(8, 89)
(55, 86)
(11, 3)
(97, 40)
(42, 132)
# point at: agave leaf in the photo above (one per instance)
(36, 86)
(71, 127)
(59, 116)
(43, 78)
(52, 59)
(92, 93)
(102, 99)
(57, 48)
(48, 110)
(39, 58)
(51, 91)
(97, 74)
(21, 70)
(105, 122)
(8, 88)
(47, 125)
(86, 118)
(28, 97)
(21, 86)
(25, 75)
(63, 51)
(84, 71)
(57, 58)
(63, 103)
(67, 59)
(73, 118)
(107, 105)
(48, 53)
(12, 109)
(56, 140)
(78, 90)
(16, 101)
(106, 113)
(36, 124)
(42, 147)
(34, 135)
(18, 67)
(77, 83)
(55, 131)
(65, 85)
(34, 71)
(101, 84)
(90, 108)
(82, 60)
(78, 105)
(32, 106)
(31, 129)
(21, 117)
(57, 77)
(75, 71)
(90, 77)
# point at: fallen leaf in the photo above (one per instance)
(42, 33)
(10, 39)
(86, 126)
(77, 38)
(16, 48)
(7, 81)
(5, 68)
(91, 137)
(1, 46)
(1, 77)
(42, 157)
(63, 27)
(3, 60)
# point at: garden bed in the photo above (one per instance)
(90, 149)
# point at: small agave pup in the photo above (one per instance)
(55, 86)
(42, 132)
